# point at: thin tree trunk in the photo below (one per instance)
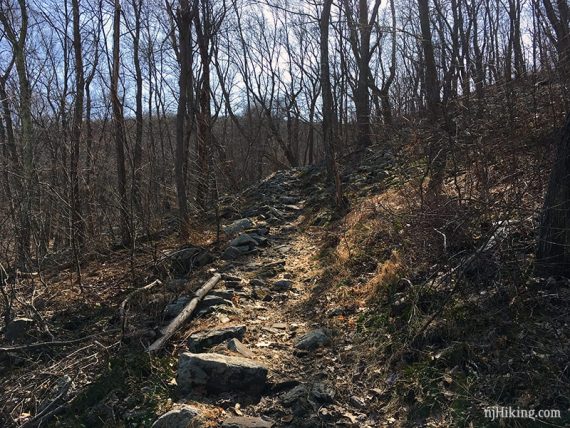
(553, 252)
(119, 129)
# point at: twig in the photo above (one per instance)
(123, 310)
(32, 346)
(49, 410)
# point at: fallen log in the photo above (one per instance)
(185, 314)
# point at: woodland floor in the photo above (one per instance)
(134, 387)
(372, 278)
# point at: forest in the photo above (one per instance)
(284, 213)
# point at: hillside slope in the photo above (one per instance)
(393, 313)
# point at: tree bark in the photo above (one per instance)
(184, 86)
(553, 250)
(119, 129)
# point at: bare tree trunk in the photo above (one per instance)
(553, 252)
(137, 155)
(18, 44)
(119, 129)
(329, 118)
(203, 24)
(184, 85)
(437, 153)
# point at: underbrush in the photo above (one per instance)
(132, 390)
(450, 307)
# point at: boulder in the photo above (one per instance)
(313, 340)
(201, 340)
(246, 422)
(237, 226)
(218, 373)
(18, 328)
(184, 416)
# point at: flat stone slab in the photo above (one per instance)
(238, 226)
(202, 340)
(218, 373)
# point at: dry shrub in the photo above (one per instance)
(388, 273)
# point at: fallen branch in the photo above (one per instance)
(185, 314)
(53, 343)
(123, 310)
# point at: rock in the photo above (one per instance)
(303, 397)
(256, 282)
(209, 303)
(244, 240)
(199, 341)
(298, 400)
(282, 285)
(261, 240)
(203, 259)
(224, 294)
(313, 340)
(322, 393)
(289, 199)
(218, 373)
(262, 293)
(236, 346)
(238, 285)
(261, 231)
(278, 214)
(237, 226)
(174, 308)
(185, 259)
(18, 328)
(184, 416)
(300, 392)
(231, 253)
(246, 422)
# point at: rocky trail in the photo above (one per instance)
(259, 347)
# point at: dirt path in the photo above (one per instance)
(313, 382)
